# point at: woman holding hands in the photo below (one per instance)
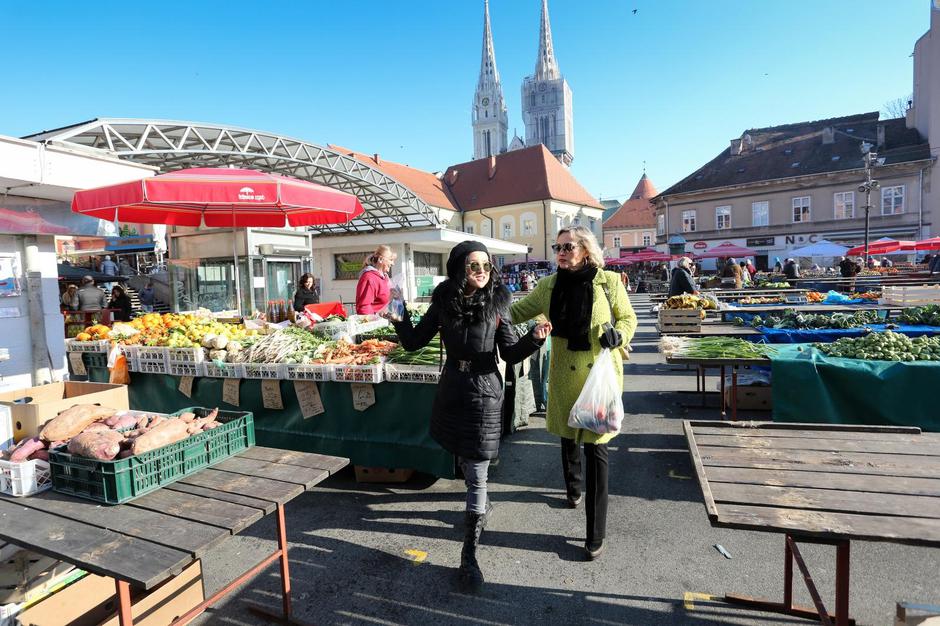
(589, 310)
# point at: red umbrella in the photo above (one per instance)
(218, 197)
(928, 244)
(726, 250)
(882, 246)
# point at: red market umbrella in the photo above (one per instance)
(882, 246)
(726, 250)
(219, 197)
(928, 244)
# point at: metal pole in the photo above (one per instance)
(867, 201)
(238, 283)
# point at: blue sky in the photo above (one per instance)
(668, 85)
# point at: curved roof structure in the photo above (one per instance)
(172, 145)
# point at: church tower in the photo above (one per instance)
(490, 120)
(546, 100)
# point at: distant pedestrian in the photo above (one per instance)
(121, 304)
(90, 297)
(778, 266)
(70, 298)
(886, 262)
(110, 268)
(147, 297)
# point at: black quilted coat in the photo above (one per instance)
(466, 419)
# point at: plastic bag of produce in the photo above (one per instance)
(599, 408)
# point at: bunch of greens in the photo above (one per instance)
(720, 348)
(922, 315)
(886, 346)
(431, 354)
(789, 318)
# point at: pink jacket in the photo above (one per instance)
(372, 291)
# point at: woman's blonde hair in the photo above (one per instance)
(583, 236)
(381, 251)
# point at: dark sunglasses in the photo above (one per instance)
(476, 266)
(566, 247)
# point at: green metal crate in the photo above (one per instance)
(121, 480)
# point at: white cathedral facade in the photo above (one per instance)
(546, 101)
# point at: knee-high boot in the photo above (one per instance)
(469, 575)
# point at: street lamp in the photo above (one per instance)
(870, 159)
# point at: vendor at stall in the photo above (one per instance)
(121, 304)
(306, 293)
(70, 298)
(682, 278)
(90, 297)
(374, 288)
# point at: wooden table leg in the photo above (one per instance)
(842, 583)
(734, 393)
(721, 390)
(125, 617)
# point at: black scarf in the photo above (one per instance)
(571, 306)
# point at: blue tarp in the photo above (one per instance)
(826, 335)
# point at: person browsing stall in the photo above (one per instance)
(121, 304)
(470, 309)
(589, 311)
(90, 297)
(681, 281)
(373, 291)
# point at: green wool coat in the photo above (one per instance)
(568, 370)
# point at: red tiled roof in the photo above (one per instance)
(637, 211)
(517, 176)
(426, 185)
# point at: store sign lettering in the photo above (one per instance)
(793, 239)
(247, 193)
(699, 245)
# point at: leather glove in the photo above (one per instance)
(611, 338)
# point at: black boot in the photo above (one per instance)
(469, 575)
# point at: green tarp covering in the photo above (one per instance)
(391, 433)
(811, 387)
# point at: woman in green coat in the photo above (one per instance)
(589, 311)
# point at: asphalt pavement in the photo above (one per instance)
(387, 554)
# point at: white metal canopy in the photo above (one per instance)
(173, 145)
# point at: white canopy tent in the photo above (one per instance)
(822, 248)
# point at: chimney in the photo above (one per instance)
(492, 167)
(451, 177)
(375, 157)
(881, 136)
(828, 135)
(736, 146)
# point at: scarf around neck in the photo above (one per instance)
(571, 306)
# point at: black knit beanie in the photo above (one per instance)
(455, 262)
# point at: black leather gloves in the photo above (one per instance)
(611, 338)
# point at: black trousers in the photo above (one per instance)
(595, 488)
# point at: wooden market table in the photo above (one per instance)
(715, 329)
(818, 483)
(724, 314)
(702, 364)
(150, 539)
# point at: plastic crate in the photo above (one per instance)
(185, 355)
(151, 353)
(24, 479)
(186, 369)
(402, 373)
(95, 359)
(213, 369)
(121, 480)
(358, 373)
(334, 330)
(101, 345)
(149, 367)
(263, 370)
(367, 327)
(319, 372)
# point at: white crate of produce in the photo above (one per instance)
(319, 372)
(73, 345)
(185, 355)
(910, 295)
(263, 370)
(367, 326)
(24, 479)
(358, 373)
(186, 369)
(335, 329)
(149, 367)
(402, 373)
(214, 369)
(149, 353)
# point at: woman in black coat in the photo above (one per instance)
(471, 311)
(306, 293)
(121, 304)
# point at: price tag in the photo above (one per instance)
(230, 391)
(186, 386)
(77, 363)
(363, 395)
(308, 397)
(271, 394)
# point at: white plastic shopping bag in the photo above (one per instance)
(599, 408)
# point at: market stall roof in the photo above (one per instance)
(885, 245)
(726, 250)
(928, 244)
(820, 249)
(74, 274)
(439, 239)
(174, 145)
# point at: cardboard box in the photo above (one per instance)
(92, 601)
(751, 397)
(47, 401)
(382, 474)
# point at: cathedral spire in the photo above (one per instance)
(546, 68)
(490, 118)
(488, 71)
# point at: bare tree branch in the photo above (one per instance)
(897, 107)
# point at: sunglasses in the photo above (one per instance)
(564, 247)
(476, 266)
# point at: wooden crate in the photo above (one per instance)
(680, 321)
(911, 295)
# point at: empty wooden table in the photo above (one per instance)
(819, 483)
(146, 541)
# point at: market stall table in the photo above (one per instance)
(152, 538)
(702, 364)
(818, 484)
(714, 329)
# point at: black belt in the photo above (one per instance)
(472, 366)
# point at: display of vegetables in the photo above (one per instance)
(181, 330)
(760, 300)
(885, 346)
(790, 318)
(774, 285)
(95, 332)
(815, 296)
(690, 302)
(714, 348)
(343, 352)
(867, 295)
(922, 315)
(431, 354)
(285, 345)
